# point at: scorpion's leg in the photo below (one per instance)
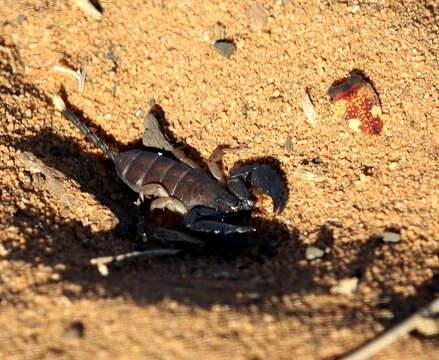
(262, 177)
(164, 200)
(170, 203)
(206, 220)
(152, 190)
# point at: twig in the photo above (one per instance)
(101, 262)
(411, 323)
(133, 255)
(79, 74)
(82, 75)
(67, 71)
(11, 58)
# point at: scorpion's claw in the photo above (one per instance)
(219, 228)
(262, 177)
(210, 221)
(266, 180)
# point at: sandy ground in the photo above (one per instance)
(62, 204)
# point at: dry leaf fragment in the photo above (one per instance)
(217, 32)
(88, 7)
(308, 108)
(258, 16)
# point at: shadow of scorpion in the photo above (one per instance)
(206, 204)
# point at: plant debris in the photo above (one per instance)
(257, 16)
(308, 108)
(89, 8)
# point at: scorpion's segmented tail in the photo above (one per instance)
(71, 116)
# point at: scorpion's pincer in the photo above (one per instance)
(266, 180)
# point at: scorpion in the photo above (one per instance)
(179, 186)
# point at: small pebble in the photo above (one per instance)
(111, 55)
(345, 287)
(27, 180)
(386, 314)
(55, 277)
(103, 269)
(140, 113)
(404, 92)
(225, 48)
(313, 252)
(114, 88)
(390, 237)
(75, 331)
(21, 18)
(393, 165)
(289, 144)
(316, 161)
(3, 250)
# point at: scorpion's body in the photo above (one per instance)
(138, 168)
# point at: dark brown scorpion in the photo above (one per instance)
(178, 187)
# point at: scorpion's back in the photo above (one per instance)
(137, 168)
